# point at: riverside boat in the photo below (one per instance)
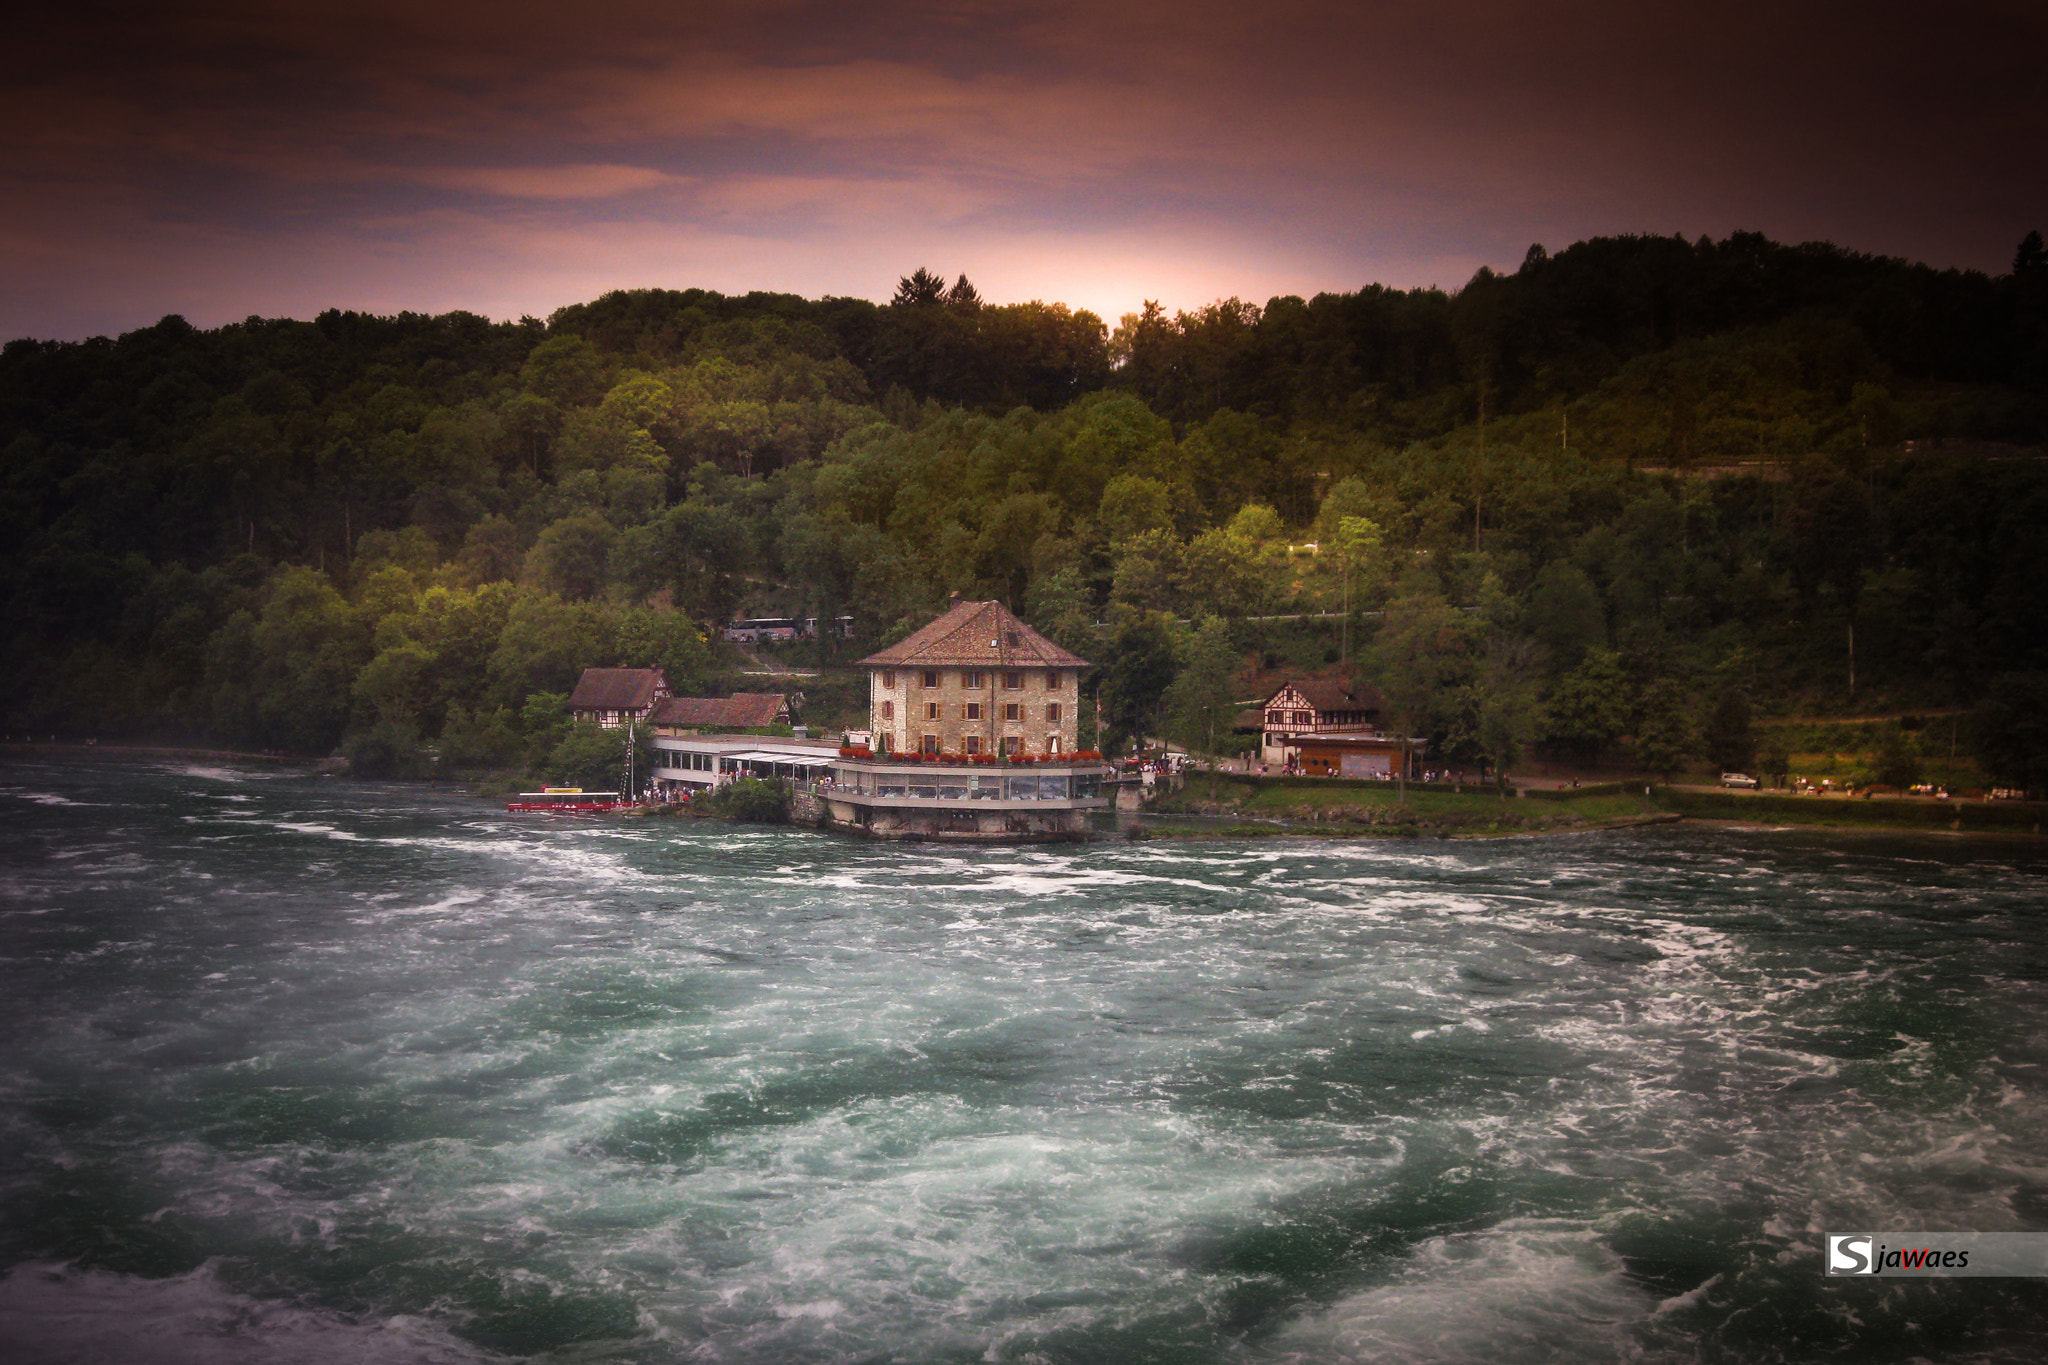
(568, 801)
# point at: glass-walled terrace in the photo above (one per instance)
(963, 784)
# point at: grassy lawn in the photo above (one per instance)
(1880, 813)
(1369, 807)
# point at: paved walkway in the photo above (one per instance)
(768, 668)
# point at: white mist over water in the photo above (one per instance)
(292, 1068)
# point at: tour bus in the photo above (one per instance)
(773, 629)
(764, 629)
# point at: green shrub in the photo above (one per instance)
(588, 756)
(480, 739)
(388, 748)
(751, 800)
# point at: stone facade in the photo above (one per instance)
(964, 710)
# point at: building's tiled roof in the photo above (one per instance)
(740, 711)
(749, 709)
(1325, 695)
(960, 639)
(617, 689)
(688, 712)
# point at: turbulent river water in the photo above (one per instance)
(298, 1069)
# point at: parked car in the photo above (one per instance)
(1742, 780)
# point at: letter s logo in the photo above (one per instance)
(1851, 1254)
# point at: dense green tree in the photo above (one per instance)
(588, 756)
(1202, 701)
(2009, 730)
(1727, 738)
(1774, 758)
(1059, 608)
(1133, 506)
(1149, 572)
(1256, 523)
(564, 370)
(1898, 757)
(545, 646)
(493, 551)
(1137, 668)
(1419, 660)
(397, 685)
(386, 749)
(282, 678)
(2031, 256)
(544, 722)
(1354, 544)
(1667, 734)
(696, 549)
(570, 557)
(1590, 706)
(482, 739)
(1353, 497)
(1502, 705)
(1565, 613)
(751, 800)
(1224, 574)
(646, 637)
(276, 533)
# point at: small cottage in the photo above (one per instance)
(614, 696)
(1325, 729)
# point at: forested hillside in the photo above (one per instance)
(1639, 487)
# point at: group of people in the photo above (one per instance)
(1152, 770)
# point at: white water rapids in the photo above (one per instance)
(297, 1069)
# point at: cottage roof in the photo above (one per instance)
(749, 709)
(618, 689)
(1325, 695)
(960, 639)
(689, 711)
(740, 711)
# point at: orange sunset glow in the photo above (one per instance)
(226, 159)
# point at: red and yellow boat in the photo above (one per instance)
(568, 801)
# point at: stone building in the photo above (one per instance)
(974, 730)
(976, 681)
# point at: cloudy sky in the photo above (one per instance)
(219, 158)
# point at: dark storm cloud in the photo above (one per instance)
(223, 159)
